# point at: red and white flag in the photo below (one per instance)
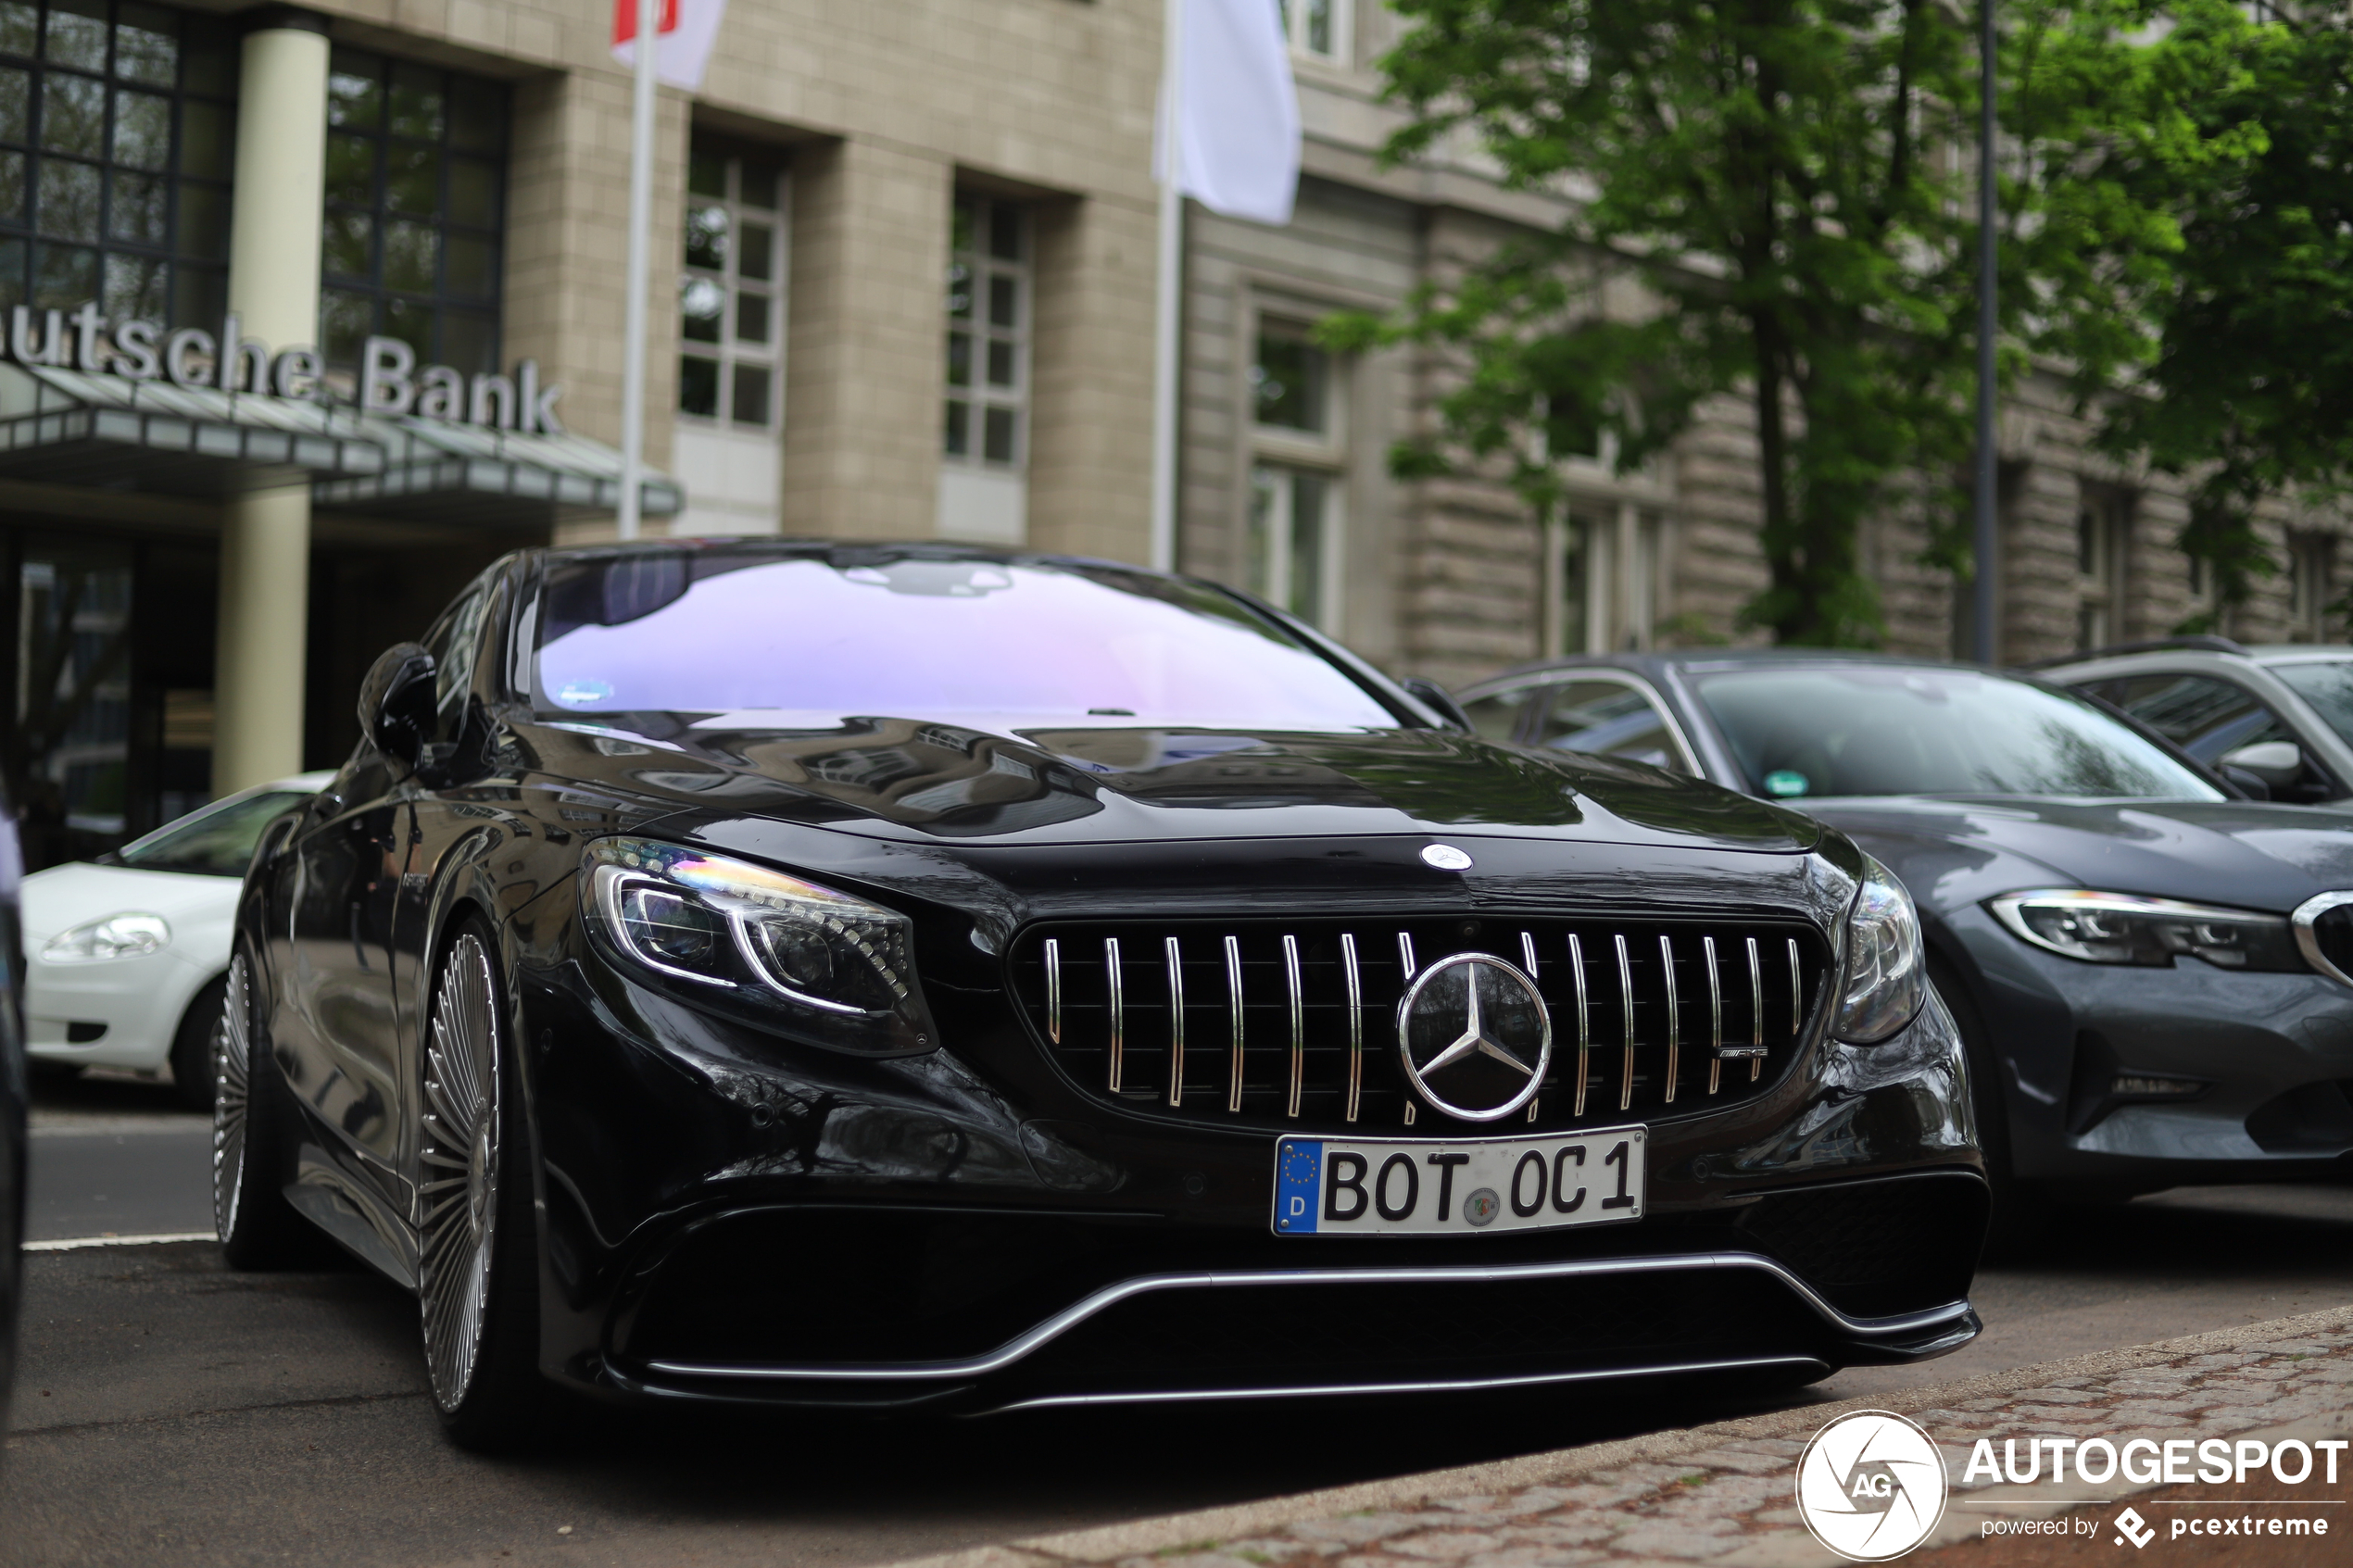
(686, 30)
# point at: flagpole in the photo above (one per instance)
(1166, 315)
(633, 313)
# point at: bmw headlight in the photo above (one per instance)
(788, 955)
(1884, 978)
(131, 935)
(2124, 928)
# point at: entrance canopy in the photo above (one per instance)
(70, 427)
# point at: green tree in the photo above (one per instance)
(2239, 130)
(1792, 183)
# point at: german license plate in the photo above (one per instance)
(1401, 1186)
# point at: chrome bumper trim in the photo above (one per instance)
(1072, 1316)
(1441, 1385)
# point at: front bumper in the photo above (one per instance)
(1305, 1333)
(2267, 1057)
(120, 1012)
(729, 1218)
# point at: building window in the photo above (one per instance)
(731, 295)
(2102, 536)
(117, 129)
(1602, 580)
(988, 310)
(1292, 543)
(2311, 560)
(1290, 384)
(1317, 28)
(415, 194)
(1290, 557)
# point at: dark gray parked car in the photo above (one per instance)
(2284, 714)
(2155, 977)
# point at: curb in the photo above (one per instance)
(76, 1243)
(1147, 1536)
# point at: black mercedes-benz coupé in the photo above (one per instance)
(925, 978)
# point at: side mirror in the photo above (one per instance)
(2278, 763)
(1438, 700)
(2247, 784)
(397, 703)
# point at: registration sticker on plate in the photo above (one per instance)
(1410, 1187)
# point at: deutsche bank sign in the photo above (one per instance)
(390, 383)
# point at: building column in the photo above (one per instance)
(274, 291)
(865, 365)
(1090, 400)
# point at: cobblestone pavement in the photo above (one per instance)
(1725, 1494)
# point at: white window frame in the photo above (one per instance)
(1281, 451)
(730, 351)
(1625, 546)
(1297, 29)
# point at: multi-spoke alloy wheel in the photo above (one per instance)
(460, 1191)
(232, 1100)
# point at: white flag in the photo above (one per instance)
(1237, 113)
(687, 29)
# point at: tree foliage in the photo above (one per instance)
(1792, 184)
(2244, 137)
(1773, 175)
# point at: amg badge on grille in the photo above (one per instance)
(1475, 1037)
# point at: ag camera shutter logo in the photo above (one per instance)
(1871, 1486)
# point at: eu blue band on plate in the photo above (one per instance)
(1297, 1186)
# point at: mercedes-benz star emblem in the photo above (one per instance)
(1478, 1026)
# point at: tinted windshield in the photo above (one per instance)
(813, 639)
(1896, 731)
(2328, 686)
(217, 841)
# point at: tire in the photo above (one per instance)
(253, 1139)
(195, 1048)
(478, 1276)
(2017, 1215)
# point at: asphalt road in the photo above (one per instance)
(171, 1410)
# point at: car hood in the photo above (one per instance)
(64, 896)
(922, 781)
(2245, 854)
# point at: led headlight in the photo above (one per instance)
(128, 935)
(2124, 928)
(1884, 979)
(788, 955)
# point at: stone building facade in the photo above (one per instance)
(904, 290)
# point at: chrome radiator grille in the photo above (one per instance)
(1293, 1024)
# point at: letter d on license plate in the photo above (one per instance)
(1406, 1186)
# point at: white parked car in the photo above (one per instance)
(126, 958)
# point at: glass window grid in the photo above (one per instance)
(722, 380)
(143, 229)
(2312, 559)
(1294, 525)
(1290, 541)
(416, 171)
(989, 303)
(1317, 28)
